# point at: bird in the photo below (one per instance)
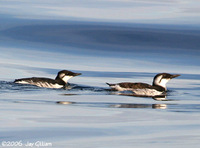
(157, 88)
(60, 81)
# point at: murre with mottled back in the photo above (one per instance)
(157, 88)
(59, 82)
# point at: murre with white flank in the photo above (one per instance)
(60, 81)
(157, 88)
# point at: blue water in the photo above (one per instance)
(103, 51)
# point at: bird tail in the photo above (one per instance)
(109, 84)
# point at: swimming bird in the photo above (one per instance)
(60, 81)
(157, 88)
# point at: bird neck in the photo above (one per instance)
(161, 83)
(60, 81)
(160, 86)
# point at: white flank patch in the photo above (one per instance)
(147, 92)
(117, 87)
(41, 84)
(22, 82)
(56, 86)
(47, 85)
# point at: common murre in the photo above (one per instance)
(59, 82)
(157, 88)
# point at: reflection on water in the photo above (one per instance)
(69, 94)
(161, 98)
(128, 93)
(154, 106)
(116, 105)
(65, 102)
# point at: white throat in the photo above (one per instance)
(161, 82)
(164, 82)
(66, 78)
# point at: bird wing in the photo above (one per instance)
(135, 85)
(35, 80)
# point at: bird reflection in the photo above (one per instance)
(160, 98)
(115, 105)
(157, 98)
(154, 106)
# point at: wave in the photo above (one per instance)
(106, 37)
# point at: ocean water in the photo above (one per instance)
(90, 115)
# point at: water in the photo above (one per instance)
(89, 114)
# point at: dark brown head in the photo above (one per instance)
(65, 75)
(161, 79)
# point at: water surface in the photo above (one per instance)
(89, 114)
